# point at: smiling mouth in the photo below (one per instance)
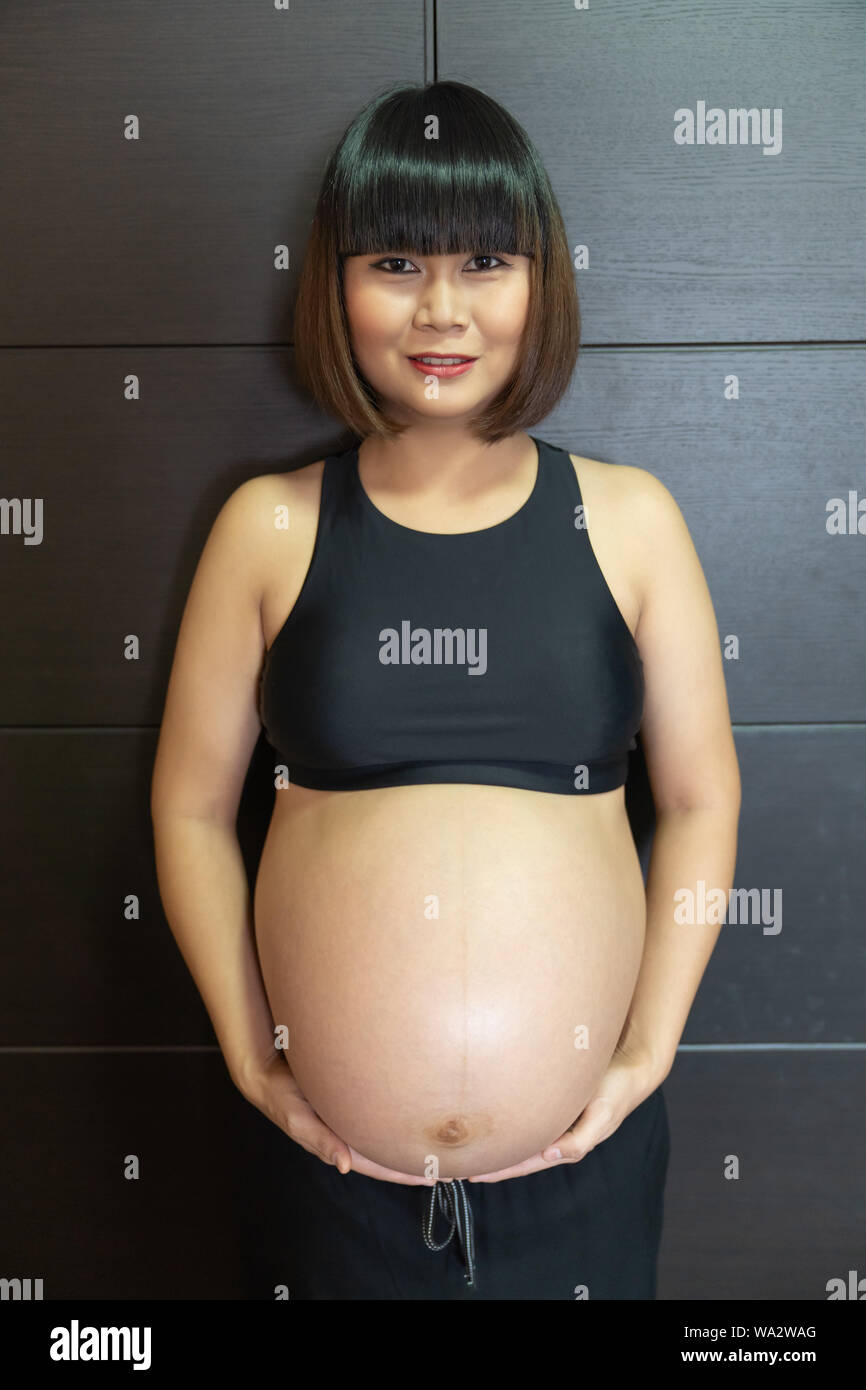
(440, 360)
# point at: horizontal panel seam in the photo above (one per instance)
(206, 1047)
(153, 728)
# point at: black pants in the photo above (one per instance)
(577, 1230)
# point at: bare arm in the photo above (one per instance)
(210, 726)
(693, 771)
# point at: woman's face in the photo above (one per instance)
(400, 306)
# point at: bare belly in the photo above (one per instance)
(454, 963)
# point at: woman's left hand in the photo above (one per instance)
(627, 1082)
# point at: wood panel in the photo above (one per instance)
(691, 243)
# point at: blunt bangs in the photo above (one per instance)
(476, 187)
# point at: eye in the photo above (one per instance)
(482, 257)
(392, 260)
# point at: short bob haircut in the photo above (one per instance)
(479, 187)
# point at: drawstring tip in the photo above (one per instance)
(459, 1214)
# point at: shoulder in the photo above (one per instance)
(249, 532)
(637, 525)
(297, 484)
(636, 499)
(263, 505)
(623, 483)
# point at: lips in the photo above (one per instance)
(444, 365)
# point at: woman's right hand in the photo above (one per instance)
(271, 1087)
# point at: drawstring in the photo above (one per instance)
(460, 1214)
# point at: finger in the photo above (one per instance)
(303, 1124)
(587, 1131)
(572, 1146)
(519, 1170)
(376, 1170)
(339, 1153)
(322, 1141)
(576, 1143)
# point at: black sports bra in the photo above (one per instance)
(495, 656)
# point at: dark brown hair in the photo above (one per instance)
(479, 188)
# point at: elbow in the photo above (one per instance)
(725, 804)
(709, 784)
(723, 796)
(190, 803)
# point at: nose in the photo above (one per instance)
(441, 302)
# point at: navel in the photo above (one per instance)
(452, 1131)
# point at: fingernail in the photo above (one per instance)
(554, 1153)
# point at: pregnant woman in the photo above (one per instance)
(449, 987)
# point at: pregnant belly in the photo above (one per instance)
(454, 964)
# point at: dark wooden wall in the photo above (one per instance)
(153, 259)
